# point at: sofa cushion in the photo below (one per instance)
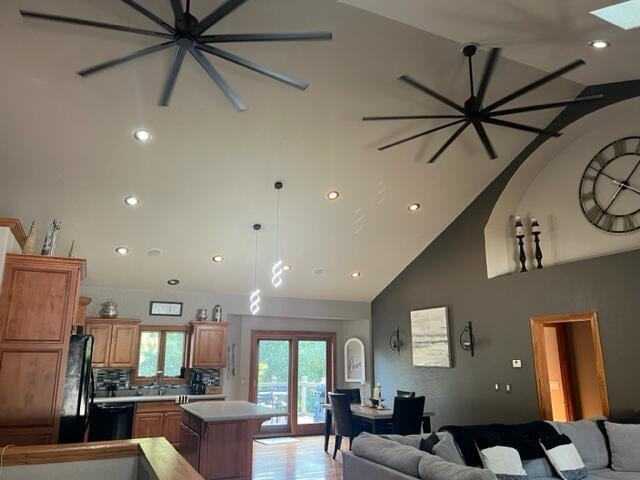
(447, 449)
(589, 442)
(564, 457)
(388, 453)
(410, 440)
(539, 468)
(608, 474)
(625, 446)
(427, 443)
(432, 467)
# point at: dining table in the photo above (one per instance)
(376, 417)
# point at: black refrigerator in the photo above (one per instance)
(79, 390)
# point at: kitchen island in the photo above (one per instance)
(216, 438)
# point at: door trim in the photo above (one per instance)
(293, 336)
(540, 359)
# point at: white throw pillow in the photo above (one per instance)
(564, 457)
(505, 462)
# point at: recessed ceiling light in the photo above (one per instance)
(131, 200)
(142, 135)
(414, 207)
(599, 44)
(286, 268)
(355, 274)
(173, 281)
(154, 252)
(333, 195)
(218, 258)
(122, 250)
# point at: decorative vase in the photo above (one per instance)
(73, 251)
(201, 315)
(109, 309)
(50, 240)
(217, 313)
(30, 243)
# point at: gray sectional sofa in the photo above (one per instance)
(393, 457)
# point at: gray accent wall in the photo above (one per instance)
(451, 271)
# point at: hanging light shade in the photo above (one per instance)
(276, 269)
(254, 296)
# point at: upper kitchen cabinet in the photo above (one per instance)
(114, 344)
(208, 347)
(38, 306)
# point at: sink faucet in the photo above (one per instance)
(160, 382)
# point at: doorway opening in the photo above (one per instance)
(569, 367)
(291, 372)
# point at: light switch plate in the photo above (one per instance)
(516, 363)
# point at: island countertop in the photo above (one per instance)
(220, 411)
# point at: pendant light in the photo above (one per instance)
(254, 296)
(276, 269)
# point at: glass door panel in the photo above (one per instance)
(273, 381)
(312, 381)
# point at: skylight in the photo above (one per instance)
(625, 15)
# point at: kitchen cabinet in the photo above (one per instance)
(81, 316)
(148, 425)
(38, 305)
(114, 342)
(190, 445)
(208, 345)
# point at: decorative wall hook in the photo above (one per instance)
(394, 340)
(467, 340)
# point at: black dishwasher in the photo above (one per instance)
(111, 421)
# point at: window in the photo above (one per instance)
(161, 348)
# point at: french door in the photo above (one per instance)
(291, 372)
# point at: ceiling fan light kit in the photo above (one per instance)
(474, 113)
(187, 35)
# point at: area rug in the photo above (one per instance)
(276, 440)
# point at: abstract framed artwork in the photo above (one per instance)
(165, 309)
(354, 365)
(430, 338)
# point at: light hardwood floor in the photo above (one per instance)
(301, 460)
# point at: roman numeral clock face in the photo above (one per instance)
(610, 187)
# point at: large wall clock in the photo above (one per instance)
(610, 187)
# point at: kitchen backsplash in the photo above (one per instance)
(121, 377)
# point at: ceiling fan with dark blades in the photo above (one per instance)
(474, 113)
(187, 35)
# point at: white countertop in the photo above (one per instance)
(228, 410)
(156, 398)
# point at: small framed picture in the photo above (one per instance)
(165, 309)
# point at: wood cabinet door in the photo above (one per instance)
(101, 342)
(148, 425)
(190, 446)
(123, 346)
(209, 346)
(171, 427)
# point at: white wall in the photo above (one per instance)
(546, 187)
(8, 244)
(346, 319)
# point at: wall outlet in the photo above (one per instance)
(497, 387)
(516, 363)
(508, 388)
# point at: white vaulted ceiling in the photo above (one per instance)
(66, 148)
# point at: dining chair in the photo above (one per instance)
(345, 425)
(407, 415)
(352, 393)
(405, 394)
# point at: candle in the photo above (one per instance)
(519, 229)
(535, 226)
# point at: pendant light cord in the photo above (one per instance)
(277, 225)
(255, 264)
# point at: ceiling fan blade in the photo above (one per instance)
(253, 66)
(534, 85)
(484, 138)
(220, 81)
(449, 142)
(170, 82)
(132, 56)
(91, 23)
(218, 14)
(415, 84)
(150, 15)
(489, 67)
(427, 132)
(178, 11)
(411, 117)
(519, 126)
(544, 106)
(264, 37)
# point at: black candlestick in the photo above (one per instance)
(535, 231)
(520, 237)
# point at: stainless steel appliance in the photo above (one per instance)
(79, 390)
(111, 421)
